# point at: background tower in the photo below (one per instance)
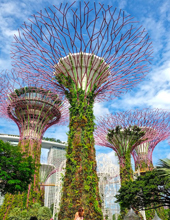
(34, 110)
(109, 184)
(95, 52)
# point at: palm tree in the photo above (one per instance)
(163, 167)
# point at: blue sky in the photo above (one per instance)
(152, 92)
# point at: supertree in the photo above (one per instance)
(34, 110)
(87, 52)
(125, 131)
(142, 154)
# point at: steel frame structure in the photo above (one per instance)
(143, 153)
(97, 30)
(87, 53)
(154, 122)
(34, 110)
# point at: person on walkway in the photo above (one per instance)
(79, 215)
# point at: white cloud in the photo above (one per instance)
(122, 4)
(113, 158)
(165, 10)
(99, 109)
(153, 92)
(161, 100)
(7, 126)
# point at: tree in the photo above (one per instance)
(34, 110)
(16, 170)
(164, 168)
(144, 191)
(124, 131)
(123, 140)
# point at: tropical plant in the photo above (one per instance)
(164, 167)
(44, 213)
(37, 211)
(14, 214)
(33, 212)
(16, 169)
(147, 192)
(124, 139)
(24, 215)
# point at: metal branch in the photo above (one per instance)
(99, 30)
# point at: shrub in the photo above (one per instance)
(14, 214)
(44, 213)
(41, 213)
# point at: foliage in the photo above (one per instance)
(16, 169)
(52, 139)
(114, 217)
(144, 191)
(161, 212)
(14, 213)
(24, 215)
(42, 213)
(124, 140)
(17, 214)
(164, 168)
(33, 212)
(80, 185)
(33, 193)
(52, 207)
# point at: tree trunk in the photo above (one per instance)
(80, 186)
(126, 173)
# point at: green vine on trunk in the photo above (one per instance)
(124, 139)
(80, 186)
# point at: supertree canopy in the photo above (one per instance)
(34, 110)
(91, 44)
(85, 52)
(130, 131)
(142, 154)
